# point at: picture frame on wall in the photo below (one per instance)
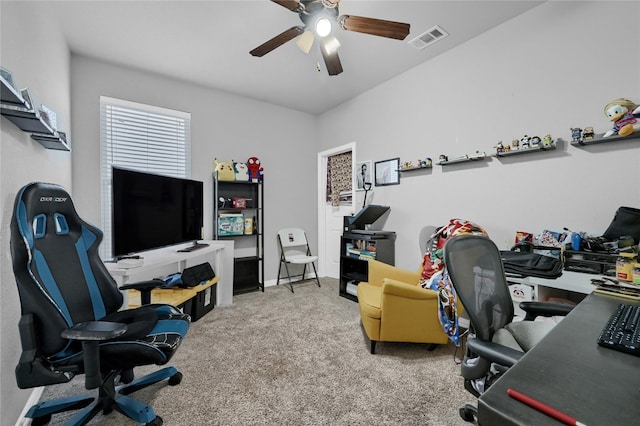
(363, 174)
(387, 172)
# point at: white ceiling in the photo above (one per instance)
(207, 42)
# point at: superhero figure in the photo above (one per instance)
(255, 171)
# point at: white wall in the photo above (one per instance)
(223, 125)
(38, 57)
(546, 71)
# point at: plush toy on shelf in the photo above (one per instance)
(625, 116)
(241, 171)
(255, 170)
(225, 170)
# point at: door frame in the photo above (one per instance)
(322, 183)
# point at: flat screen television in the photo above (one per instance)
(152, 211)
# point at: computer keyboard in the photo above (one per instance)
(622, 332)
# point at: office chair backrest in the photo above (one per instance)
(61, 279)
(475, 268)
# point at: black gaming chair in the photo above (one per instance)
(71, 323)
(495, 343)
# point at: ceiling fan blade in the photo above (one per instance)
(378, 27)
(306, 41)
(331, 59)
(292, 5)
(277, 41)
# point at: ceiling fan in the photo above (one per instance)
(319, 18)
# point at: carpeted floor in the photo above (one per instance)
(277, 358)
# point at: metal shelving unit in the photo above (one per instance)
(248, 271)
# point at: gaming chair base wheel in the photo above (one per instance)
(175, 379)
(468, 413)
(155, 422)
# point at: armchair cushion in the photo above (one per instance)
(410, 291)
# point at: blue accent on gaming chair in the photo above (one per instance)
(71, 323)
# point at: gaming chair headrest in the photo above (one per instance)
(46, 198)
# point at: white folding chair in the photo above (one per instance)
(294, 250)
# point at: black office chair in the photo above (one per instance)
(495, 343)
(70, 322)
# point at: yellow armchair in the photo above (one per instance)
(394, 308)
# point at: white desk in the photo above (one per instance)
(573, 286)
(166, 261)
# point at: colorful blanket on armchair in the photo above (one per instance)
(436, 278)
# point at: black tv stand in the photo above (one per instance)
(196, 246)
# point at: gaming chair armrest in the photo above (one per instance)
(90, 333)
(144, 287)
(94, 330)
(494, 352)
(545, 309)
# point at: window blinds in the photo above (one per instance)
(140, 137)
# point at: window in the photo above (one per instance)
(140, 137)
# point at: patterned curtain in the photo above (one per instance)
(338, 176)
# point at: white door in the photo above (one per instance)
(330, 219)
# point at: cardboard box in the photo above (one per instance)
(230, 224)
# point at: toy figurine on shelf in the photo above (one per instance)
(442, 159)
(255, 170)
(624, 114)
(499, 147)
(428, 162)
(535, 142)
(524, 142)
(588, 134)
(515, 145)
(547, 141)
(576, 134)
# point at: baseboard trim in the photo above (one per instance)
(36, 393)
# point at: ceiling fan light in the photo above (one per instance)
(323, 27)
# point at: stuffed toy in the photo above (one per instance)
(224, 169)
(624, 115)
(242, 172)
(255, 171)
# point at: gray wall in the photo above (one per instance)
(546, 71)
(223, 126)
(23, 160)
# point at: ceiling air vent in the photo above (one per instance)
(429, 37)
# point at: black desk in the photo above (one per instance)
(570, 372)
